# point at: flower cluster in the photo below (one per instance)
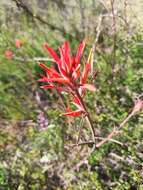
(68, 77)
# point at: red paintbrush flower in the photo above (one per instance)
(18, 43)
(8, 54)
(68, 77)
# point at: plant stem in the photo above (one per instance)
(88, 118)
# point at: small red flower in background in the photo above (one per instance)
(18, 43)
(8, 54)
(69, 77)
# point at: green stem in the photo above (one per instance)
(88, 118)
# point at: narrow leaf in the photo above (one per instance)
(51, 52)
(73, 113)
(47, 86)
(79, 52)
(85, 73)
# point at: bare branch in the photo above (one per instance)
(20, 3)
(92, 142)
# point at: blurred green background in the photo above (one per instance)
(34, 140)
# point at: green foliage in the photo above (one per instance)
(34, 159)
(27, 165)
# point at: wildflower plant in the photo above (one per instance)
(69, 78)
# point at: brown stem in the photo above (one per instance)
(115, 131)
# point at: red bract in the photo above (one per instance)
(69, 77)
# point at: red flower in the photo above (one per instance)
(8, 54)
(68, 77)
(18, 43)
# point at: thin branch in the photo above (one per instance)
(92, 142)
(115, 131)
(82, 13)
(98, 29)
(87, 116)
(80, 130)
(21, 4)
(136, 109)
(114, 33)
